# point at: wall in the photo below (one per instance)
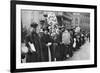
(5, 37)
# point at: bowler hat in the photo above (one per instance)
(34, 25)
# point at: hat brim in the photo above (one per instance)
(34, 25)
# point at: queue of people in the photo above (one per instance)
(42, 47)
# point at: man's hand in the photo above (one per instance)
(48, 44)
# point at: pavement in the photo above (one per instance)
(83, 53)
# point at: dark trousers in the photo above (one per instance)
(32, 57)
(45, 53)
(58, 52)
(66, 49)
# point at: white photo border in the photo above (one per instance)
(20, 65)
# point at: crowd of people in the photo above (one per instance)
(46, 46)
